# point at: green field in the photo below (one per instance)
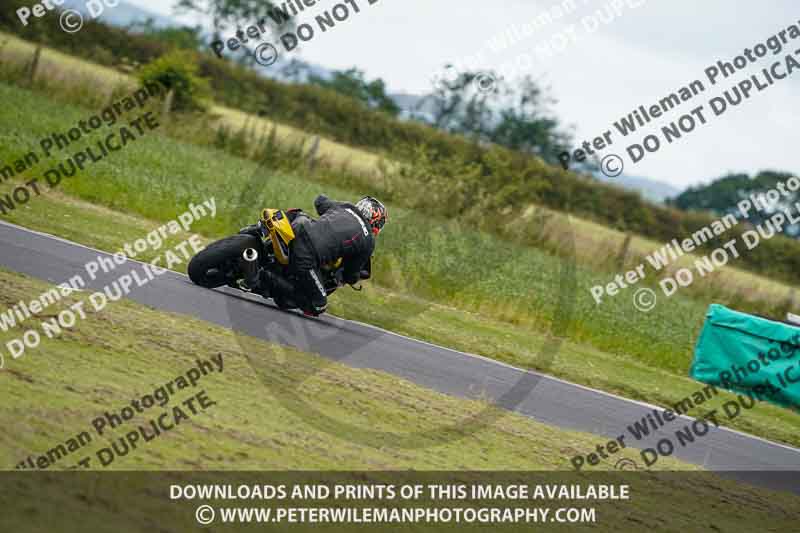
(126, 351)
(432, 280)
(68, 77)
(510, 282)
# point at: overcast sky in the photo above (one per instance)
(603, 71)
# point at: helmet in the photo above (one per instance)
(373, 211)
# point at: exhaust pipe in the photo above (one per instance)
(250, 268)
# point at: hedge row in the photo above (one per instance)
(502, 176)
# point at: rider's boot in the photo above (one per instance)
(279, 289)
(275, 285)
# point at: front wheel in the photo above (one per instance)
(218, 264)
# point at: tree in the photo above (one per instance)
(526, 126)
(718, 196)
(353, 83)
(229, 14)
(184, 38)
(486, 108)
(458, 106)
(722, 196)
(296, 71)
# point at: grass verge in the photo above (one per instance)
(127, 350)
(500, 310)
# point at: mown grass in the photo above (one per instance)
(55, 391)
(502, 308)
(125, 351)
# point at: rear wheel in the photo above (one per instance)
(218, 264)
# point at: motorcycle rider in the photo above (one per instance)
(343, 230)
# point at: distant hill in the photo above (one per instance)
(655, 191)
(123, 14)
(413, 106)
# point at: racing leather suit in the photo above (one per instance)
(340, 231)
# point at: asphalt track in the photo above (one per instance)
(551, 401)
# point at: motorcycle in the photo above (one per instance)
(256, 260)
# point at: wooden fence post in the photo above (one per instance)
(34, 65)
(312, 153)
(791, 301)
(623, 252)
(167, 107)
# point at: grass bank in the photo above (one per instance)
(503, 308)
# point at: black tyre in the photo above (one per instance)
(218, 264)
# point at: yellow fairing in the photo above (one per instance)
(280, 232)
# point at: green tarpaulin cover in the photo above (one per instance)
(750, 355)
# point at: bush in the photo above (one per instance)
(177, 71)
